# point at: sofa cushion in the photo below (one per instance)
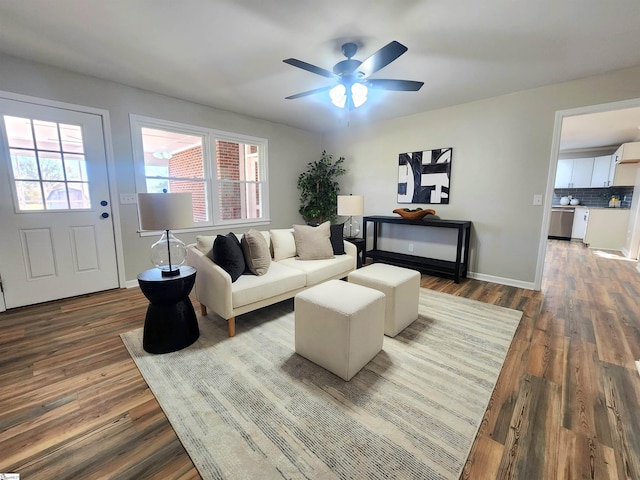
(227, 253)
(337, 242)
(317, 271)
(204, 243)
(284, 246)
(256, 252)
(278, 280)
(313, 243)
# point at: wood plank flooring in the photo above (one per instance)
(567, 404)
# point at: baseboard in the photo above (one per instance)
(477, 276)
(502, 281)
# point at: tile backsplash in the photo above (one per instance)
(595, 197)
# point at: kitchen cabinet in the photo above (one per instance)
(627, 152)
(580, 217)
(601, 171)
(623, 174)
(609, 173)
(574, 172)
(607, 228)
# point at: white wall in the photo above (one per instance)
(501, 157)
(290, 149)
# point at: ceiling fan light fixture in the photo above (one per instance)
(353, 76)
(338, 95)
(359, 94)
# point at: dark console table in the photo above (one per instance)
(457, 269)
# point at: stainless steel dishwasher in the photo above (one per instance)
(561, 223)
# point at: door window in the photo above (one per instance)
(48, 165)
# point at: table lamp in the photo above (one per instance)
(166, 211)
(350, 205)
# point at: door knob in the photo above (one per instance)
(104, 203)
(105, 215)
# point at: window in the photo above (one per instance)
(48, 165)
(225, 173)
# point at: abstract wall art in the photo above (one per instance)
(425, 177)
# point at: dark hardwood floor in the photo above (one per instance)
(567, 404)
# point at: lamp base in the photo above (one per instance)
(351, 228)
(170, 273)
(168, 253)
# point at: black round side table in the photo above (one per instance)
(171, 322)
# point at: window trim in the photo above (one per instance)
(209, 137)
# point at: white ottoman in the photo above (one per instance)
(402, 289)
(339, 326)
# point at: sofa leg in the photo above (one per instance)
(203, 310)
(231, 326)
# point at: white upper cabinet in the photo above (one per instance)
(563, 172)
(609, 173)
(582, 172)
(601, 168)
(574, 172)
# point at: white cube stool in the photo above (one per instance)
(402, 289)
(339, 326)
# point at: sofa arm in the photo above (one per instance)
(213, 284)
(351, 250)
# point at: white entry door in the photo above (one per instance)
(56, 230)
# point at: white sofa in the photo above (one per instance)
(285, 277)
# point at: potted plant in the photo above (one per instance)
(319, 189)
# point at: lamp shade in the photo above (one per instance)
(165, 211)
(350, 205)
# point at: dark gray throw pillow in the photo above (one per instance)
(337, 242)
(227, 253)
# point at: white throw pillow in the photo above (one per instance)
(284, 245)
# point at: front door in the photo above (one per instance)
(56, 234)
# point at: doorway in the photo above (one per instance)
(608, 108)
(57, 238)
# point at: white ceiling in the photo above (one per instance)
(600, 129)
(228, 53)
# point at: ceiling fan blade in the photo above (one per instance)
(382, 58)
(398, 85)
(309, 92)
(309, 68)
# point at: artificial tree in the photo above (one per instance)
(319, 189)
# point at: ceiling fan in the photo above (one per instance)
(352, 76)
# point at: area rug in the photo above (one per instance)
(249, 407)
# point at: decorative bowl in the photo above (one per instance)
(414, 215)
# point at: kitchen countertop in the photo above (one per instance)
(608, 208)
(589, 208)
